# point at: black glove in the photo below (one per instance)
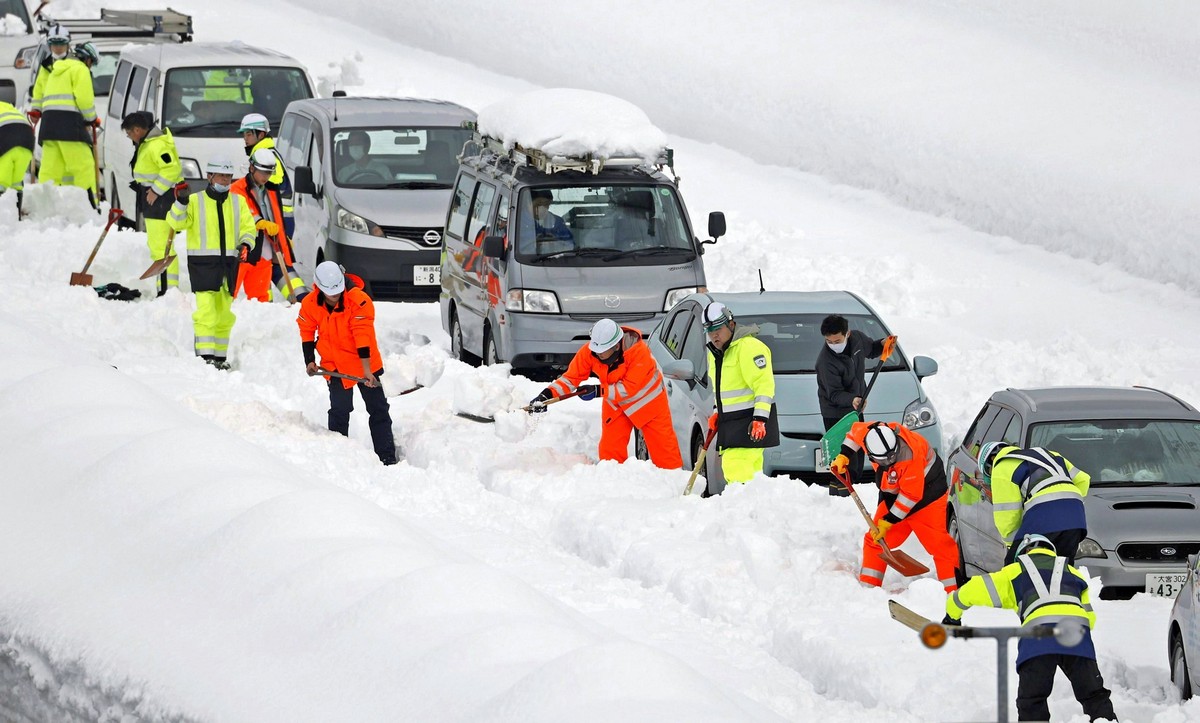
(135, 187)
(588, 392)
(950, 621)
(537, 405)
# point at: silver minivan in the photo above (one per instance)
(537, 249)
(372, 180)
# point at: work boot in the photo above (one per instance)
(221, 364)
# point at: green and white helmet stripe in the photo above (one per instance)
(605, 335)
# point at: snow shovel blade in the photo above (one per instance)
(78, 278)
(157, 267)
(831, 441)
(407, 391)
(908, 618)
(475, 417)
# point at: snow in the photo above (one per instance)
(182, 543)
(566, 122)
(12, 25)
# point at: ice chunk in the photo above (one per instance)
(567, 122)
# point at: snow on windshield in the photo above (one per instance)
(12, 25)
(562, 121)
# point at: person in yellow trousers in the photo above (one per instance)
(16, 149)
(217, 224)
(156, 173)
(68, 110)
(746, 421)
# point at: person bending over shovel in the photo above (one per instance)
(634, 393)
(338, 322)
(912, 497)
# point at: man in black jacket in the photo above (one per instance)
(841, 376)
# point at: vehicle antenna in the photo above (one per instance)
(761, 288)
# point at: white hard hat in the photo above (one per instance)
(219, 165)
(263, 159)
(882, 444)
(716, 315)
(329, 278)
(255, 122)
(58, 34)
(605, 335)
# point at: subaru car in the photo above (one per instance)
(1141, 448)
(789, 323)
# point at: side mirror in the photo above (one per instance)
(304, 181)
(716, 226)
(923, 366)
(493, 247)
(681, 369)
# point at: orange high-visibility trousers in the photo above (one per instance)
(929, 525)
(658, 433)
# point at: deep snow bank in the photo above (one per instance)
(185, 571)
(1068, 125)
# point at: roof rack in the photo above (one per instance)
(553, 163)
(127, 24)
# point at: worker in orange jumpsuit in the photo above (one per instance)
(260, 267)
(635, 394)
(912, 497)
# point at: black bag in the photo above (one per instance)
(116, 292)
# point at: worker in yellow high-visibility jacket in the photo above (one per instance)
(69, 123)
(16, 149)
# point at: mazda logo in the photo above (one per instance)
(432, 237)
(612, 301)
(1167, 552)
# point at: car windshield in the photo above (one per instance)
(17, 8)
(103, 72)
(592, 225)
(795, 339)
(1123, 451)
(210, 102)
(401, 157)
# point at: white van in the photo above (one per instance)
(200, 91)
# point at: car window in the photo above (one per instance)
(283, 138)
(974, 437)
(210, 102)
(795, 340)
(675, 330)
(116, 101)
(995, 430)
(137, 88)
(397, 156)
(151, 91)
(1127, 451)
(481, 211)
(298, 142)
(103, 73)
(460, 203)
(316, 151)
(694, 347)
(1012, 433)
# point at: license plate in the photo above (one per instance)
(819, 461)
(427, 275)
(1165, 584)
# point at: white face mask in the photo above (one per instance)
(357, 152)
(836, 348)
(219, 187)
(57, 55)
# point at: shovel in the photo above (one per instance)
(161, 265)
(526, 408)
(363, 380)
(699, 462)
(83, 278)
(900, 561)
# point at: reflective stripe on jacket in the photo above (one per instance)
(911, 483)
(69, 103)
(1023, 479)
(15, 131)
(744, 383)
(342, 334)
(156, 164)
(634, 388)
(216, 224)
(1042, 589)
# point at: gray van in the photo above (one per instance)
(372, 180)
(538, 248)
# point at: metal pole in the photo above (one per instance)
(1002, 636)
(1002, 678)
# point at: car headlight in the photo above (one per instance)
(354, 222)
(190, 167)
(25, 58)
(920, 414)
(538, 302)
(674, 296)
(1090, 548)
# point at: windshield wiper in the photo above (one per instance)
(1132, 483)
(653, 251)
(570, 252)
(183, 130)
(415, 184)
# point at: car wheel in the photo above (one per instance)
(456, 342)
(490, 357)
(960, 571)
(1179, 669)
(639, 446)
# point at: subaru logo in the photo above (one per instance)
(612, 301)
(1167, 552)
(432, 237)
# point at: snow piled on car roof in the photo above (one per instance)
(569, 122)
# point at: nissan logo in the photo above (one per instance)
(432, 237)
(612, 301)
(1167, 552)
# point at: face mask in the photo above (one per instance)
(58, 56)
(836, 348)
(219, 187)
(357, 152)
